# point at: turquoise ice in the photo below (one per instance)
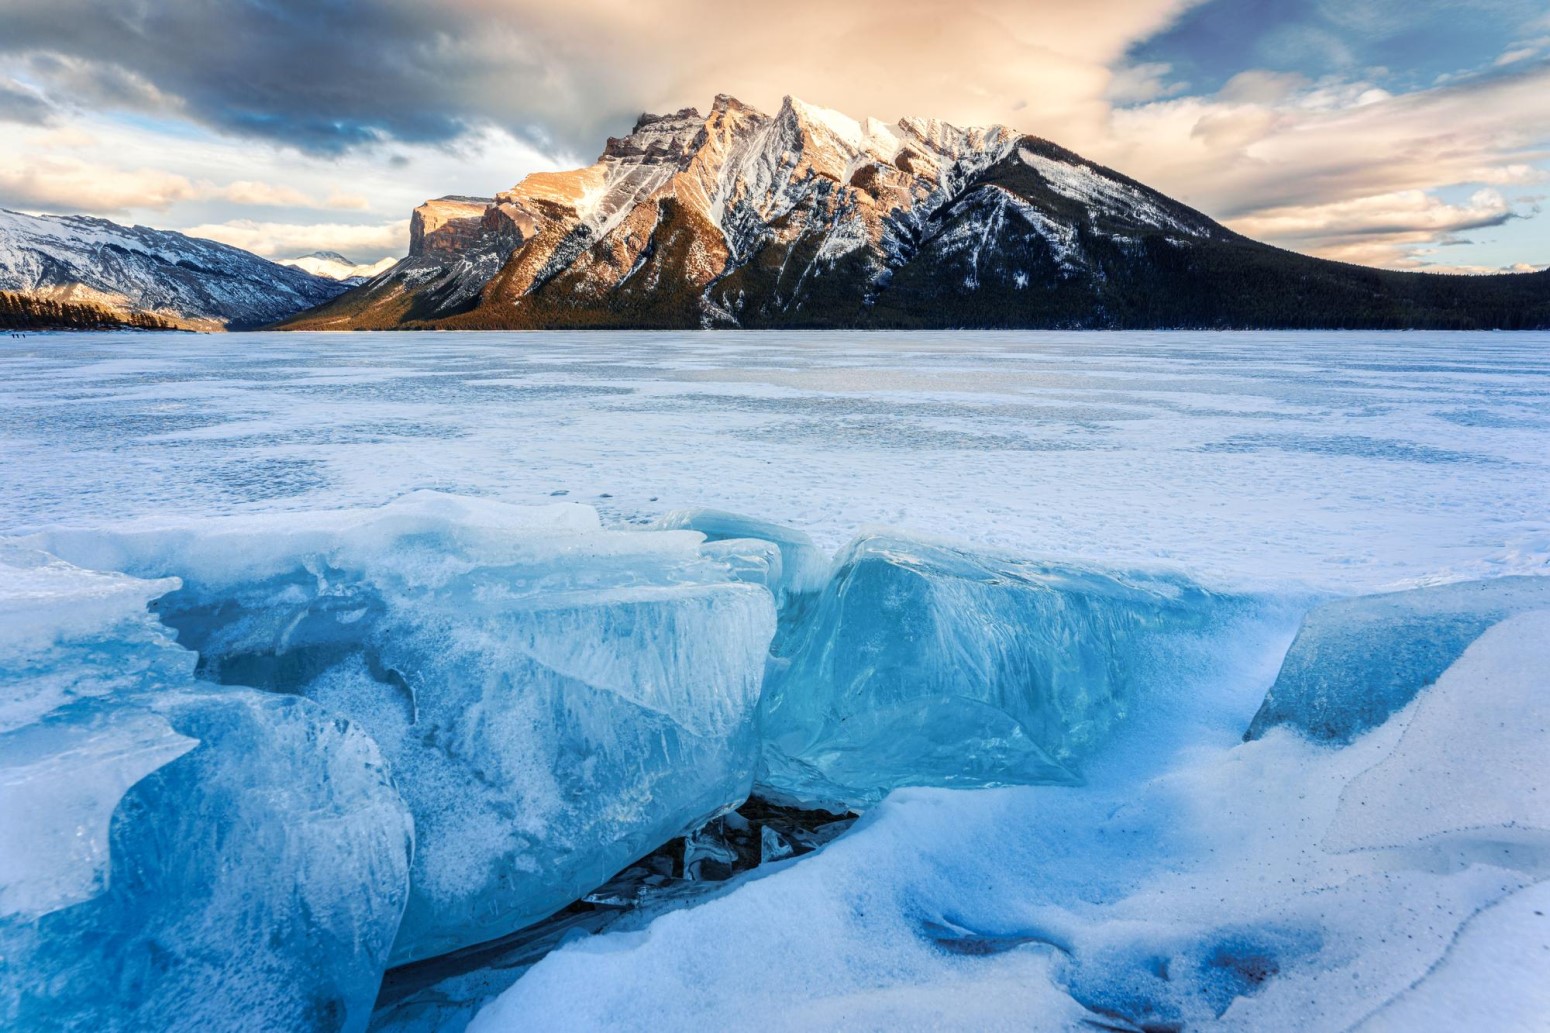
(177, 853)
(926, 664)
(1357, 661)
(553, 700)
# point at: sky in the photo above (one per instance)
(1410, 134)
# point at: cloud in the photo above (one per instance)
(1381, 229)
(19, 104)
(250, 193)
(1142, 82)
(288, 240)
(268, 195)
(327, 78)
(1328, 150)
(98, 84)
(343, 201)
(65, 184)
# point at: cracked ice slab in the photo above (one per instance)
(554, 701)
(924, 664)
(1208, 898)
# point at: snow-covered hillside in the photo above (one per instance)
(188, 281)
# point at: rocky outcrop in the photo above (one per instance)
(446, 225)
(809, 218)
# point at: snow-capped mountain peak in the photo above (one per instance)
(813, 217)
(334, 266)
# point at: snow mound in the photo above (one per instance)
(1357, 661)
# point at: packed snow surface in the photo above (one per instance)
(534, 604)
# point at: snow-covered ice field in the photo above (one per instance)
(1388, 877)
(1338, 461)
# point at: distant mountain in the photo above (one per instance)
(334, 266)
(808, 218)
(188, 282)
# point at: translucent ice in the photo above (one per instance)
(46, 603)
(798, 568)
(256, 880)
(180, 856)
(922, 664)
(61, 782)
(1357, 661)
(554, 701)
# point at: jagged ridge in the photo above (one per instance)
(808, 218)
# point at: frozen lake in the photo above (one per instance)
(1341, 462)
(553, 699)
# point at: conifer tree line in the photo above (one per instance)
(25, 312)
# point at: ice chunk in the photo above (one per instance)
(1200, 899)
(554, 701)
(256, 881)
(1470, 767)
(1357, 661)
(68, 634)
(543, 743)
(60, 782)
(803, 567)
(177, 855)
(45, 603)
(921, 664)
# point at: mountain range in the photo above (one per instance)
(182, 281)
(809, 218)
(805, 218)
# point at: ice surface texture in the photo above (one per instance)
(1357, 661)
(923, 664)
(554, 701)
(178, 854)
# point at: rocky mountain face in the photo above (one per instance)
(188, 282)
(808, 218)
(332, 265)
